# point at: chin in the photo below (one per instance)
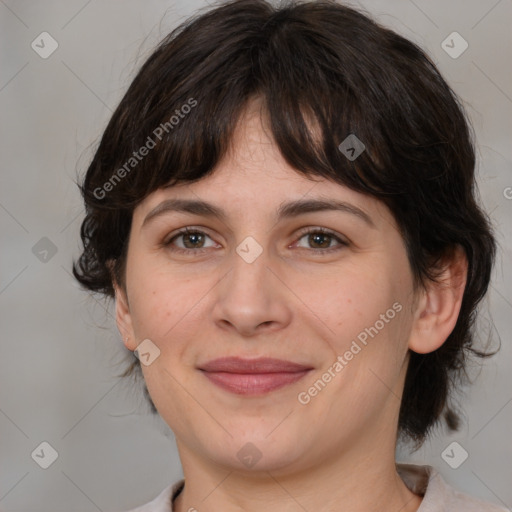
(257, 452)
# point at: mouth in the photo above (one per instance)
(253, 376)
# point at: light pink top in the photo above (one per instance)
(425, 481)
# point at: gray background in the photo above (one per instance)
(60, 350)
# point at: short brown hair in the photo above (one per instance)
(306, 60)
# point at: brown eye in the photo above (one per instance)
(320, 238)
(193, 240)
(188, 240)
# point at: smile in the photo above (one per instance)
(253, 376)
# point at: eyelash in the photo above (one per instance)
(302, 233)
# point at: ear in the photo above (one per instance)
(124, 319)
(438, 306)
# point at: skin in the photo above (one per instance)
(337, 451)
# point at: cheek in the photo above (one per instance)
(166, 306)
(156, 309)
(350, 300)
(156, 301)
(366, 312)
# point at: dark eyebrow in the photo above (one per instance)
(286, 210)
(192, 206)
(295, 208)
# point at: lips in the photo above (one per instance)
(260, 365)
(253, 376)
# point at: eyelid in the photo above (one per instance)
(184, 231)
(342, 241)
(318, 229)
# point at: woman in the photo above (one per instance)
(283, 207)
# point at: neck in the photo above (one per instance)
(349, 483)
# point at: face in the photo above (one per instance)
(326, 291)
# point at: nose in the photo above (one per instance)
(252, 298)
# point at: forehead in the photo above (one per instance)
(253, 178)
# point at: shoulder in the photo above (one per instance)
(438, 495)
(163, 502)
